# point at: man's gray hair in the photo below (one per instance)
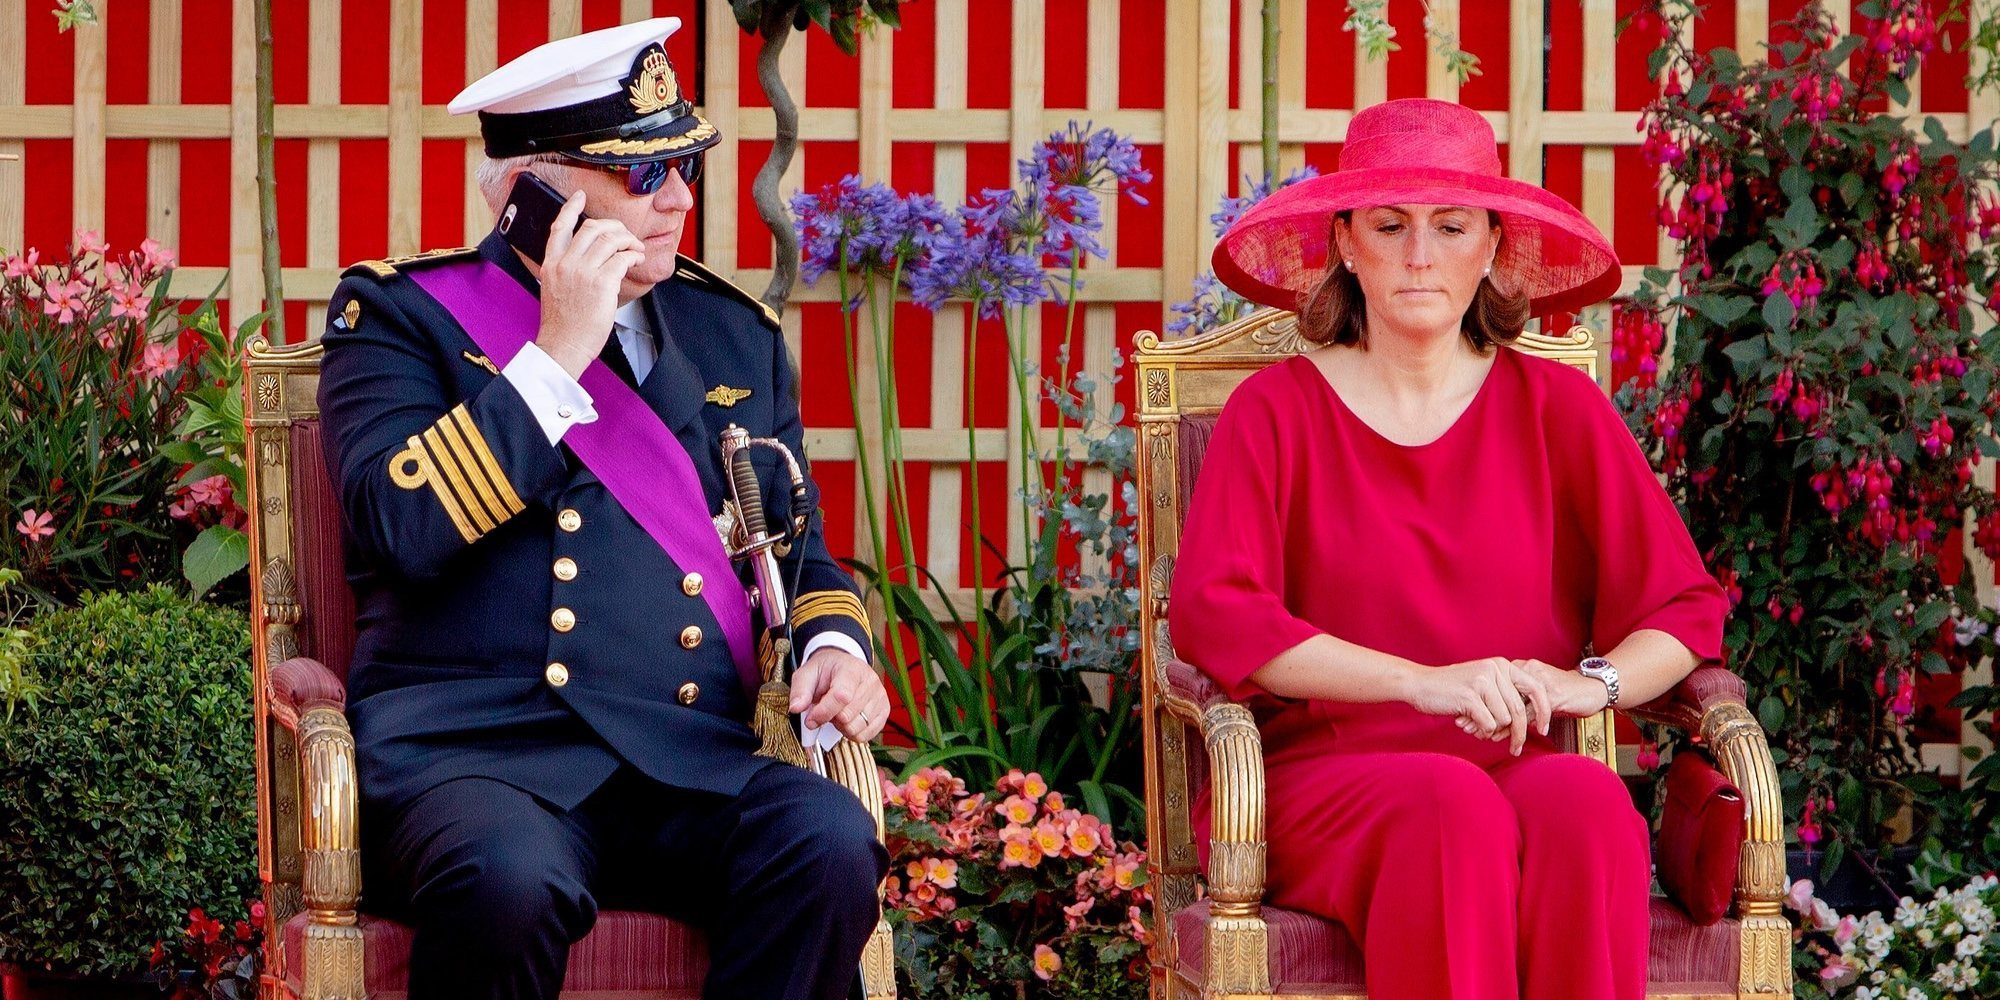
(494, 175)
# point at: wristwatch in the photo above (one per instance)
(1603, 670)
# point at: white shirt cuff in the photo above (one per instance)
(556, 400)
(826, 736)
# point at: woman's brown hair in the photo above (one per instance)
(1336, 312)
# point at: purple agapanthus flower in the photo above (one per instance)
(979, 259)
(1232, 209)
(1213, 305)
(847, 222)
(1080, 156)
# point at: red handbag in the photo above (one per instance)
(1701, 829)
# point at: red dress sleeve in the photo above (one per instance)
(1646, 572)
(1227, 614)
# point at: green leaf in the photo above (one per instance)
(1747, 353)
(216, 554)
(1778, 314)
(1771, 713)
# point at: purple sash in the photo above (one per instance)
(629, 447)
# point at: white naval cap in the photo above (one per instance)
(607, 96)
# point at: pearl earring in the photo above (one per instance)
(1488, 272)
(1350, 264)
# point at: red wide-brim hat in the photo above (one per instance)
(1419, 152)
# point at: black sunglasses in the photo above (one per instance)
(646, 178)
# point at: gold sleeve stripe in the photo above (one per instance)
(448, 432)
(476, 442)
(825, 603)
(447, 463)
(411, 469)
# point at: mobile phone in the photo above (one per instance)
(529, 214)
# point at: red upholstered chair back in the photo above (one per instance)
(1182, 385)
(326, 604)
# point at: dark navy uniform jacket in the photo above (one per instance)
(513, 621)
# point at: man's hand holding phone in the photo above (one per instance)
(582, 267)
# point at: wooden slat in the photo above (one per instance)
(639, 10)
(877, 76)
(13, 90)
(1371, 77)
(1211, 118)
(406, 149)
(246, 275)
(1098, 343)
(482, 56)
(565, 18)
(720, 94)
(1291, 80)
(946, 522)
(1180, 255)
(163, 157)
(1600, 21)
(87, 124)
(1024, 130)
(1527, 126)
(322, 155)
(1753, 28)
(1439, 82)
(1247, 159)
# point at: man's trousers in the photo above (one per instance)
(782, 879)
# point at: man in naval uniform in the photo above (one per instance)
(552, 677)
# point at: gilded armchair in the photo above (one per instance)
(1228, 943)
(321, 946)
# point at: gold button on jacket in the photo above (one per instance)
(568, 519)
(691, 585)
(565, 569)
(557, 675)
(691, 637)
(689, 692)
(563, 619)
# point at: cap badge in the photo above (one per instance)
(656, 88)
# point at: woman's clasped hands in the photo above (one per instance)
(1498, 698)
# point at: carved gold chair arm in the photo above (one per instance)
(307, 699)
(853, 766)
(1238, 956)
(1711, 703)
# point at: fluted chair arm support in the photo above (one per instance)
(1236, 783)
(301, 683)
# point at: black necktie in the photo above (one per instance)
(615, 359)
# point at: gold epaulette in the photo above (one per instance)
(381, 269)
(695, 273)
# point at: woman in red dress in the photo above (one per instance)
(1399, 550)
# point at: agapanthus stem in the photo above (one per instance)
(892, 637)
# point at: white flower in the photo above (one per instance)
(1970, 945)
(1824, 918)
(1926, 936)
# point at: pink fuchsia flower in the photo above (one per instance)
(1809, 832)
(1648, 756)
(36, 525)
(1047, 962)
(64, 300)
(21, 267)
(1904, 704)
(87, 241)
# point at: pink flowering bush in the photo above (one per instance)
(1945, 946)
(1011, 893)
(90, 371)
(1832, 388)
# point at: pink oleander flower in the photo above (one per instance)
(1047, 962)
(64, 300)
(130, 300)
(156, 256)
(36, 525)
(21, 267)
(87, 241)
(158, 360)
